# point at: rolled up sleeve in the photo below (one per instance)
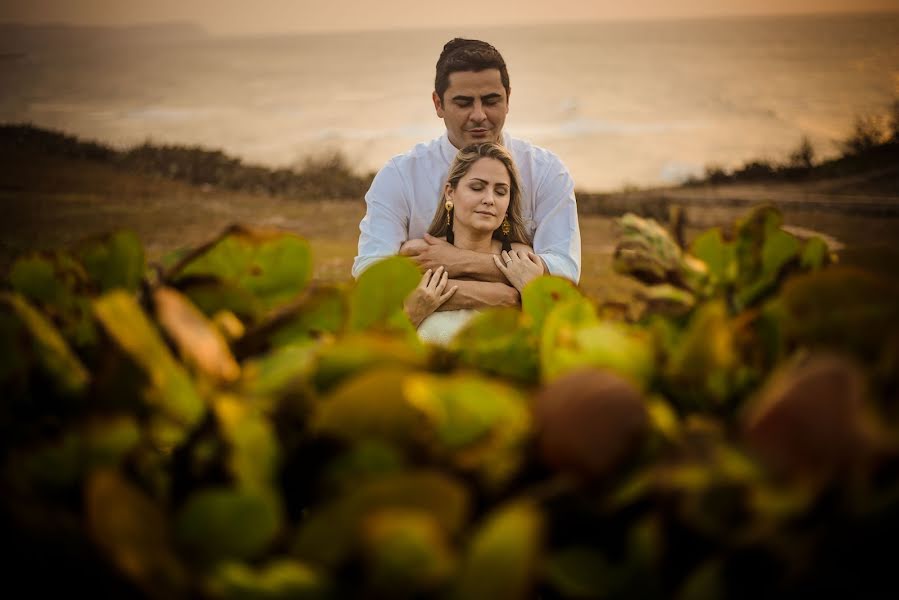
(386, 223)
(557, 239)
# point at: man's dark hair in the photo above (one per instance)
(468, 55)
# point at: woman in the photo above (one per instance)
(478, 211)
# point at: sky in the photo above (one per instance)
(245, 17)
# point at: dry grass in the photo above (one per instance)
(49, 203)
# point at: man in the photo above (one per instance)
(471, 95)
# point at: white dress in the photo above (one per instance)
(441, 327)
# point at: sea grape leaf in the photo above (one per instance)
(376, 301)
(574, 338)
(326, 310)
(272, 266)
(113, 260)
(57, 284)
(498, 341)
(646, 251)
(579, 572)
(221, 523)
(278, 372)
(50, 349)
(839, 308)
(406, 551)
(352, 354)
(254, 455)
(365, 459)
(719, 257)
(280, 579)
(197, 339)
(701, 367)
(133, 532)
(369, 406)
(778, 249)
(332, 530)
(99, 443)
(502, 557)
(213, 296)
(815, 254)
(171, 391)
(482, 425)
(540, 296)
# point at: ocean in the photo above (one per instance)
(622, 103)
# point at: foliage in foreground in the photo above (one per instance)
(223, 427)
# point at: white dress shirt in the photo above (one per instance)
(403, 197)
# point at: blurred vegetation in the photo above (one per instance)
(328, 176)
(871, 145)
(222, 426)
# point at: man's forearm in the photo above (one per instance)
(480, 294)
(477, 265)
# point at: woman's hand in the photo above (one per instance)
(428, 296)
(519, 266)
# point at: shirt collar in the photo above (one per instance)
(449, 151)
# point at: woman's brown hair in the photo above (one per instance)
(465, 158)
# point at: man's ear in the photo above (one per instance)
(438, 105)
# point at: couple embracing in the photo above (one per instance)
(481, 213)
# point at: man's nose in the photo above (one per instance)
(477, 112)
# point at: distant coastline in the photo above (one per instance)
(323, 177)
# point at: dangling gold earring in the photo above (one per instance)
(449, 222)
(505, 228)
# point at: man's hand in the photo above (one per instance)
(480, 294)
(432, 252)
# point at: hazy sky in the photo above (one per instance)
(266, 16)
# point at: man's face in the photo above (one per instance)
(473, 107)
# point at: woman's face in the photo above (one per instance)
(481, 197)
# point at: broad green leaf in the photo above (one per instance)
(325, 311)
(701, 366)
(719, 257)
(50, 349)
(480, 424)
(646, 250)
(171, 391)
(213, 297)
(369, 406)
(353, 354)
(502, 557)
(114, 260)
(580, 572)
(540, 296)
(97, 444)
(558, 334)
(254, 455)
(133, 533)
(498, 341)
(280, 579)
(778, 249)
(366, 459)
(815, 254)
(272, 266)
(571, 341)
(376, 302)
(221, 523)
(332, 530)
(666, 299)
(406, 551)
(197, 339)
(279, 372)
(841, 308)
(59, 286)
